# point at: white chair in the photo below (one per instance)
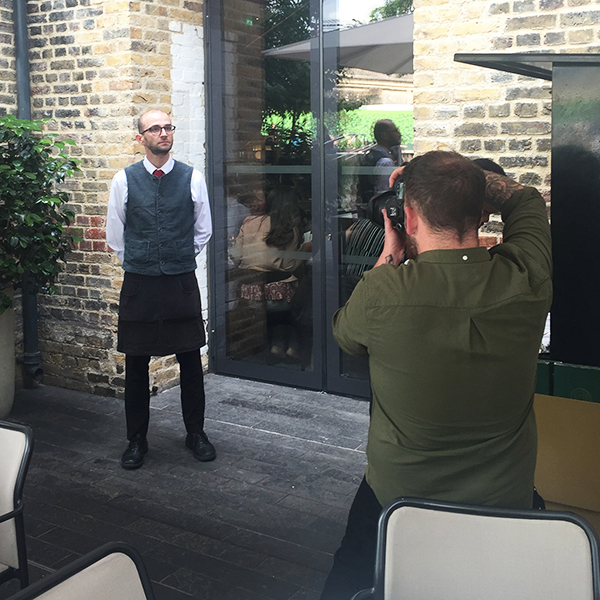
(114, 571)
(429, 550)
(16, 445)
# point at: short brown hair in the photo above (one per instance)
(447, 189)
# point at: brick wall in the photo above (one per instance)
(8, 77)
(484, 113)
(95, 67)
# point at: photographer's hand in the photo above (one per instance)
(393, 247)
(498, 190)
(395, 174)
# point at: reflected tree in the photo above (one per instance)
(392, 8)
(287, 82)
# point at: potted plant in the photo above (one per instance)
(34, 226)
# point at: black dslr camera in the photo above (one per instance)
(393, 202)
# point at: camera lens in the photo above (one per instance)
(393, 205)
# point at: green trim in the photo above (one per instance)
(568, 381)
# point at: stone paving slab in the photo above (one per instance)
(261, 522)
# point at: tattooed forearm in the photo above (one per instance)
(499, 189)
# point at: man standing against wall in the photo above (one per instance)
(452, 336)
(158, 221)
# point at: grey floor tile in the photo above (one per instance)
(259, 523)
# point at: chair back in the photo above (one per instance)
(430, 549)
(16, 446)
(114, 571)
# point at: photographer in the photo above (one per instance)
(452, 336)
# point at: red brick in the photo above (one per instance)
(94, 233)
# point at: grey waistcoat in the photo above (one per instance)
(159, 222)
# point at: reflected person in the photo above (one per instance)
(265, 246)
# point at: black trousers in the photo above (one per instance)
(137, 393)
(354, 562)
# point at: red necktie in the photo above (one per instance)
(158, 173)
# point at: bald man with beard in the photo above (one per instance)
(158, 221)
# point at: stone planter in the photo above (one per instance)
(7, 361)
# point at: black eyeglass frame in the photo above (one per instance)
(157, 131)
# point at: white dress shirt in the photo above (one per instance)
(117, 208)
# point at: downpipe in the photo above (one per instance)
(31, 359)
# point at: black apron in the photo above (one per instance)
(160, 315)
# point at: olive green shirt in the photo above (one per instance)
(453, 340)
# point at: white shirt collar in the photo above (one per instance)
(166, 168)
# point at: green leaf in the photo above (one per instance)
(33, 236)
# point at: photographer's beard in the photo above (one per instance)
(410, 248)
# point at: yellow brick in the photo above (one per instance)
(89, 37)
(164, 49)
(450, 46)
(433, 97)
(423, 112)
(474, 10)
(113, 60)
(469, 95)
(158, 61)
(445, 14)
(472, 27)
(422, 145)
(100, 49)
(114, 6)
(422, 80)
(108, 21)
(120, 84)
(431, 31)
(581, 36)
(433, 62)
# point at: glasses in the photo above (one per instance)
(156, 129)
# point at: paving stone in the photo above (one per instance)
(261, 522)
(206, 588)
(45, 554)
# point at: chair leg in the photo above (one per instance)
(24, 575)
(23, 570)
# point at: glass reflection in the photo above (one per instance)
(268, 161)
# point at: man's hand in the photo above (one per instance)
(395, 174)
(393, 247)
(498, 190)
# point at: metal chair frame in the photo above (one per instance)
(377, 592)
(60, 576)
(22, 572)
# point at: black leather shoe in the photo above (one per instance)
(201, 448)
(133, 457)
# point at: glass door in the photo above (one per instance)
(263, 145)
(290, 140)
(368, 103)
